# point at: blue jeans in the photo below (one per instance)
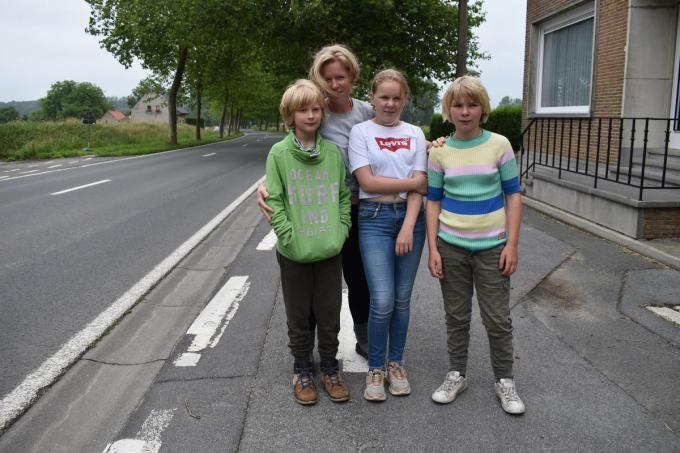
(390, 277)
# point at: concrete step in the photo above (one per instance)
(657, 161)
(652, 175)
(660, 152)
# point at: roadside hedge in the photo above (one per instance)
(506, 120)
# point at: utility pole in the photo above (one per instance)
(461, 57)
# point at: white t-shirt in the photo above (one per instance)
(393, 152)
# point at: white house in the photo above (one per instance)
(153, 108)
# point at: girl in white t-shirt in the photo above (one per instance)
(389, 159)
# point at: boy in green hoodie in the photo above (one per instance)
(311, 219)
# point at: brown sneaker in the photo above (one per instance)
(305, 388)
(335, 387)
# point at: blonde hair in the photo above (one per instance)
(299, 95)
(470, 87)
(391, 75)
(329, 54)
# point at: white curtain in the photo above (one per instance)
(567, 65)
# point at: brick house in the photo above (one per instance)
(601, 134)
(113, 116)
(153, 108)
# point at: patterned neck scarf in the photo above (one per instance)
(313, 152)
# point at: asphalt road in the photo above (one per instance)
(66, 257)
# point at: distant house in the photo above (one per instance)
(601, 134)
(153, 108)
(113, 116)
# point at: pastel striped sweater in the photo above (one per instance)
(470, 179)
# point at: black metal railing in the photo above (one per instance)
(635, 152)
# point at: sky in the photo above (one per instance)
(44, 41)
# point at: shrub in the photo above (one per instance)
(192, 122)
(507, 120)
(439, 128)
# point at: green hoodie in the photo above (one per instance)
(310, 200)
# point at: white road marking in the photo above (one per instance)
(268, 242)
(29, 171)
(3, 177)
(49, 162)
(32, 166)
(72, 162)
(16, 402)
(81, 187)
(208, 155)
(219, 311)
(10, 171)
(351, 361)
(245, 144)
(149, 437)
(187, 359)
(669, 314)
(86, 159)
(55, 166)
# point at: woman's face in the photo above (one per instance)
(337, 79)
(388, 100)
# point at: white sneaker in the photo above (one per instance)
(396, 376)
(511, 402)
(452, 386)
(375, 385)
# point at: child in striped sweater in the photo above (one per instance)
(473, 218)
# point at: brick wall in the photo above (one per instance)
(662, 223)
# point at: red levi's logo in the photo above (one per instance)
(393, 144)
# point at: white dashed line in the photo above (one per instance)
(10, 171)
(25, 393)
(208, 155)
(268, 242)
(3, 177)
(351, 361)
(219, 311)
(54, 166)
(29, 171)
(81, 187)
(32, 166)
(148, 438)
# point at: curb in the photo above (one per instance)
(605, 233)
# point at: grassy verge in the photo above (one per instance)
(22, 140)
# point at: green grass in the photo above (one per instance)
(21, 140)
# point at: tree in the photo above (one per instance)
(418, 37)
(69, 99)
(8, 114)
(507, 100)
(157, 33)
(461, 57)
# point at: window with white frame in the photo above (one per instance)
(565, 62)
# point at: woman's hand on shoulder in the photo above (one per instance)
(437, 143)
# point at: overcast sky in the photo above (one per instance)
(44, 41)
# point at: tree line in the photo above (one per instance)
(237, 56)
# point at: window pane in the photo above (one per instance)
(567, 65)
